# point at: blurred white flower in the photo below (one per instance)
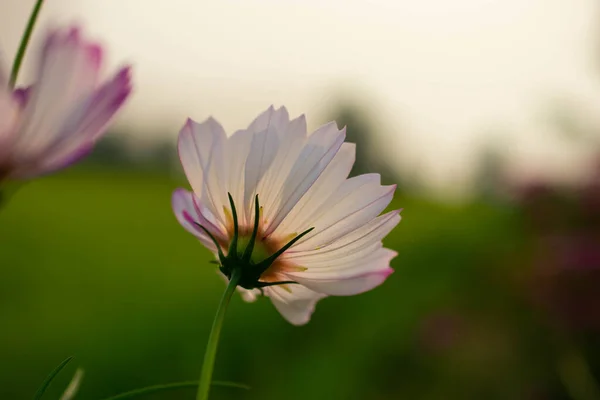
(301, 182)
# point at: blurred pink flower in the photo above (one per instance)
(301, 182)
(566, 278)
(565, 271)
(56, 121)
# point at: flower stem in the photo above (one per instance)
(213, 339)
(24, 42)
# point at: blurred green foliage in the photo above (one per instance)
(93, 264)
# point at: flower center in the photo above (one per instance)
(260, 251)
(252, 256)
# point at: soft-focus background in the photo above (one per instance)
(485, 112)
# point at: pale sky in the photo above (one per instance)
(441, 77)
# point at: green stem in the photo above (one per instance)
(172, 386)
(213, 339)
(24, 42)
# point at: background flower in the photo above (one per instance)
(56, 121)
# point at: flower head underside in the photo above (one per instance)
(277, 203)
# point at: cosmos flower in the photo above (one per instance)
(56, 121)
(276, 203)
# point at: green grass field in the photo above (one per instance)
(94, 264)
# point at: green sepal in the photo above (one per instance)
(250, 269)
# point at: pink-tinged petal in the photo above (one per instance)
(295, 303)
(316, 155)
(182, 202)
(63, 162)
(348, 278)
(68, 74)
(87, 121)
(22, 96)
(350, 286)
(190, 215)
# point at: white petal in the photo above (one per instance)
(353, 277)
(263, 150)
(291, 142)
(295, 305)
(195, 144)
(348, 265)
(237, 151)
(270, 131)
(3, 74)
(214, 191)
(68, 75)
(201, 150)
(347, 212)
(316, 155)
(347, 261)
(249, 296)
(303, 215)
(277, 119)
(352, 243)
(350, 286)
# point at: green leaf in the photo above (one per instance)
(173, 386)
(40, 392)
